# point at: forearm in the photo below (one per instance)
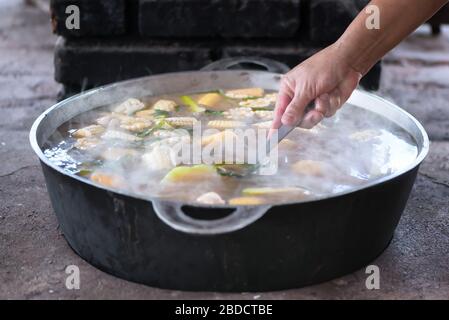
(363, 47)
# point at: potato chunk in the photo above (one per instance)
(210, 100)
(196, 173)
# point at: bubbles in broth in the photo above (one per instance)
(130, 147)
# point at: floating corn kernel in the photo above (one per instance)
(130, 106)
(225, 124)
(88, 131)
(245, 93)
(246, 201)
(165, 105)
(181, 121)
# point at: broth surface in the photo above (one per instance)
(130, 146)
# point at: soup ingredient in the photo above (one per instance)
(88, 131)
(266, 191)
(210, 100)
(137, 126)
(225, 124)
(147, 113)
(246, 201)
(195, 173)
(261, 103)
(130, 106)
(210, 198)
(160, 158)
(309, 167)
(193, 106)
(165, 105)
(181, 121)
(364, 135)
(118, 135)
(248, 93)
(87, 143)
(221, 137)
(107, 179)
(114, 153)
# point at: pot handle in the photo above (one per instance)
(227, 63)
(172, 214)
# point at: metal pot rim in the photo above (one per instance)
(422, 152)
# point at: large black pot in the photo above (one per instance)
(170, 245)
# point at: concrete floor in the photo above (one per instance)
(34, 254)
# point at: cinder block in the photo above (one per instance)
(88, 63)
(219, 18)
(97, 17)
(328, 19)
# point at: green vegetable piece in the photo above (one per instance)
(193, 106)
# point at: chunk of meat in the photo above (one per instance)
(160, 158)
(210, 198)
(165, 105)
(130, 106)
(309, 167)
(87, 143)
(88, 131)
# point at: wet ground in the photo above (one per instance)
(34, 254)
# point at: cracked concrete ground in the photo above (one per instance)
(34, 254)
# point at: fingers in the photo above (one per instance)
(295, 109)
(284, 98)
(311, 119)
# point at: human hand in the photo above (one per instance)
(326, 78)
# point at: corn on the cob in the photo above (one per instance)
(138, 126)
(245, 93)
(88, 131)
(225, 124)
(181, 121)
